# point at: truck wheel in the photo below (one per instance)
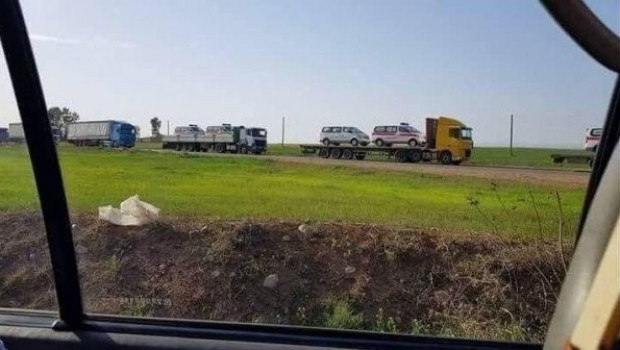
(415, 156)
(413, 143)
(220, 148)
(401, 156)
(354, 142)
(243, 149)
(347, 154)
(336, 153)
(445, 157)
(379, 143)
(324, 153)
(326, 141)
(178, 147)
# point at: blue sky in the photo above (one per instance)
(319, 62)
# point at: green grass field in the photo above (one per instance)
(238, 188)
(482, 156)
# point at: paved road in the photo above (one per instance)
(564, 178)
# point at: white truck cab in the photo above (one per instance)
(335, 135)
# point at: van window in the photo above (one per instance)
(337, 129)
(403, 129)
(390, 128)
(327, 129)
(379, 128)
(596, 132)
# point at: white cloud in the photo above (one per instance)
(94, 41)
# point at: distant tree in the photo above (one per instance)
(60, 116)
(155, 126)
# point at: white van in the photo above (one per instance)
(593, 137)
(388, 135)
(335, 135)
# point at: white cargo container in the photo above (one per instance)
(16, 132)
(89, 130)
(101, 133)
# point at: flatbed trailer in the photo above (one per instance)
(559, 158)
(398, 154)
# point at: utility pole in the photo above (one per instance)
(283, 129)
(511, 133)
(168, 127)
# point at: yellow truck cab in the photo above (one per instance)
(450, 139)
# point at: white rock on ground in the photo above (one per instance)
(349, 270)
(271, 281)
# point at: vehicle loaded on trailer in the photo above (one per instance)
(593, 137)
(336, 135)
(16, 133)
(388, 135)
(221, 138)
(447, 140)
(108, 133)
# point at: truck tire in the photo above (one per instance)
(401, 156)
(326, 141)
(243, 149)
(379, 143)
(324, 153)
(415, 156)
(354, 142)
(412, 143)
(347, 154)
(220, 148)
(178, 146)
(445, 157)
(336, 153)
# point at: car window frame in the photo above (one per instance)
(54, 208)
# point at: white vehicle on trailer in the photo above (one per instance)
(335, 135)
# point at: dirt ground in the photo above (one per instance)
(564, 178)
(350, 276)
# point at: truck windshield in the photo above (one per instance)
(259, 132)
(466, 133)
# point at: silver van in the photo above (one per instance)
(335, 135)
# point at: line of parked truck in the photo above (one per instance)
(107, 133)
(447, 140)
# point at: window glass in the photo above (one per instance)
(362, 240)
(26, 279)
